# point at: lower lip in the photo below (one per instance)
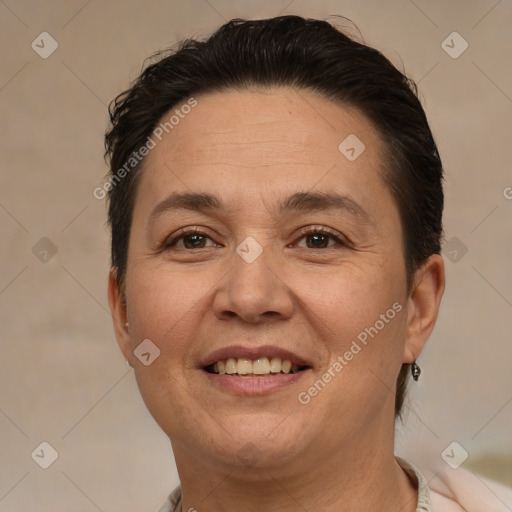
(253, 385)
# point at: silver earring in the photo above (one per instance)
(415, 371)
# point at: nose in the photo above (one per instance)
(254, 290)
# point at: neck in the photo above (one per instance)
(355, 476)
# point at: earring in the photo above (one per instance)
(415, 370)
(127, 324)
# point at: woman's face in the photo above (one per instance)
(253, 285)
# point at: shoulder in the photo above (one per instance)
(173, 501)
(458, 490)
(462, 490)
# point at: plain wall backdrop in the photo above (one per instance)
(63, 379)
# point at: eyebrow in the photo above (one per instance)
(298, 202)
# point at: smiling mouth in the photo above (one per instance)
(260, 367)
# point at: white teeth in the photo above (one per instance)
(286, 366)
(231, 365)
(260, 366)
(275, 365)
(244, 366)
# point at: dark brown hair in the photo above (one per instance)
(306, 54)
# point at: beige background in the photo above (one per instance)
(62, 378)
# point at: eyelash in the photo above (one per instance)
(168, 244)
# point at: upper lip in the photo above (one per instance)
(239, 351)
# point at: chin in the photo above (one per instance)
(259, 444)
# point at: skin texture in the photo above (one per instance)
(253, 149)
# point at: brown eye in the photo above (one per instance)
(317, 238)
(188, 240)
(194, 241)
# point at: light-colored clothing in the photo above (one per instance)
(448, 491)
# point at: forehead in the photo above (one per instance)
(247, 126)
(246, 145)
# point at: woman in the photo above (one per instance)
(276, 200)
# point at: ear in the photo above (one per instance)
(118, 311)
(423, 306)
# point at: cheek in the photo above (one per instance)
(364, 321)
(352, 296)
(164, 308)
(360, 312)
(163, 303)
